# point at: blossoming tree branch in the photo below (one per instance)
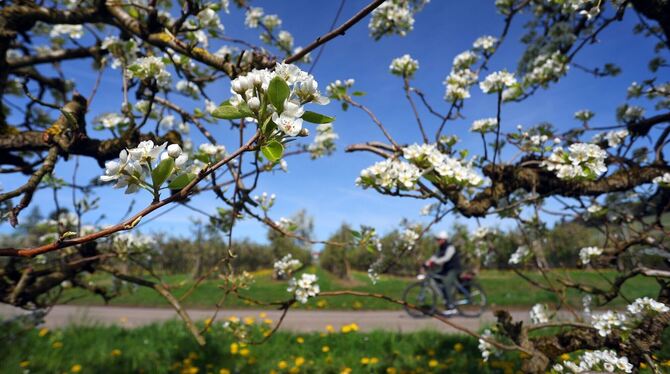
(614, 176)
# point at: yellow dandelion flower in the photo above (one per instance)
(234, 348)
(345, 329)
(116, 352)
(391, 371)
(262, 315)
(282, 365)
(565, 357)
(24, 364)
(294, 370)
(432, 363)
(374, 360)
(244, 352)
(224, 371)
(365, 360)
(43, 332)
(57, 345)
(193, 370)
(249, 320)
(300, 340)
(325, 349)
(233, 319)
(354, 327)
(643, 365)
(299, 361)
(75, 368)
(330, 328)
(267, 321)
(458, 347)
(345, 371)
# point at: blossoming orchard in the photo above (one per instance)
(114, 113)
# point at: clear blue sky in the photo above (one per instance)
(325, 187)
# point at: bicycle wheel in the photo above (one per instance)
(423, 297)
(473, 303)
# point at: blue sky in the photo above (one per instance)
(325, 187)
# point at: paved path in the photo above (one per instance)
(296, 320)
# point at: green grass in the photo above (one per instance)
(168, 348)
(504, 288)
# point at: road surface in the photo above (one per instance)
(296, 320)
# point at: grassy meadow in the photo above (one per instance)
(503, 288)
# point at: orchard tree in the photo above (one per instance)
(615, 174)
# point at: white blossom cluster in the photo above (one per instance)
(404, 66)
(613, 138)
(285, 224)
(408, 238)
(497, 82)
(520, 255)
(638, 310)
(251, 89)
(486, 348)
(587, 253)
(663, 180)
(458, 83)
(596, 361)
(324, 141)
(265, 201)
(188, 88)
(111, 120)
(607, 321)
(484, 125)
(584, 115)
(394, 17)
(132, 241)
(390, 173)
(464, 60)
(134, 165)
(287, 265)
(630, 113)
(123, 52)
(645, 305)
(486, 44)
(253, 16)
(452, 170)
(338, 88)
(546, 68)
(150, 67)
(581, 161)
(304, 288)
(209, 19)
(539, 313)
(73, 31)
(482, 232)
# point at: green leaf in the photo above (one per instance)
(314, 117)
(355, 234)
(162, 172)
(278, 92)
(358, 93)
(273, 150)
(181, 181)
(228, 112)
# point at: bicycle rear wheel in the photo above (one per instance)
(423, 297)
(473, 303)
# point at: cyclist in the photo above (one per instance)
(448, 264)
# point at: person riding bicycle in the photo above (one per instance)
(447, 261)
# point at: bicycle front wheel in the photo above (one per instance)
(423, 297)
(472, 303)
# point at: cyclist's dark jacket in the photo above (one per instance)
(448, 257)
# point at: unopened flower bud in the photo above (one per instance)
(254, 103)
(174, 150)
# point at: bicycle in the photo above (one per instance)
(470, 299)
